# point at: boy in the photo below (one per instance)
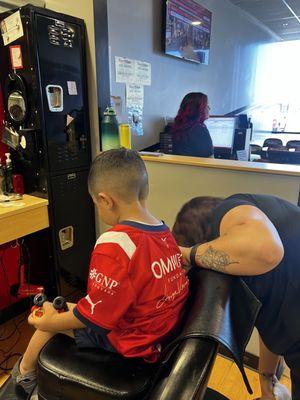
(136, 287)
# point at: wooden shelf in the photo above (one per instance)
(29, 215)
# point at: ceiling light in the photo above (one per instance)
(195, 23)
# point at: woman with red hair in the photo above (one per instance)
(190, 135)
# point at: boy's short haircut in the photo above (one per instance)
(120, 172)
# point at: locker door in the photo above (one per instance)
(73, 223)
(63, 88)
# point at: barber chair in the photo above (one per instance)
(221, 311)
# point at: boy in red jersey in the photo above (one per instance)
(136, 288)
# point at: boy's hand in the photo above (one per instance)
(44, 322)
(185, 251)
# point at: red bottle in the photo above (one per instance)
(18, 184)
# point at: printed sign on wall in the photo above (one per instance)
(132, 71)
(11, 28)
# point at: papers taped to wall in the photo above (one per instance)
(11, 28)
(132, 71)
(134, 95)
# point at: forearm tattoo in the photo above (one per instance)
(215, 259)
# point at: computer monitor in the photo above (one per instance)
(222, 131)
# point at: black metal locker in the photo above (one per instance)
(46, 103)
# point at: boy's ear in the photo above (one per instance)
(105, 200)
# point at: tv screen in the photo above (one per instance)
(187, 30)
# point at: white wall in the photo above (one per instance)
(135, 32)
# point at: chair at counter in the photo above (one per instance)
(293, 144)
(255, 149)
(273, 142)
(270, 143)
(283, 155)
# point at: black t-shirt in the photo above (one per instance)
(278, 290)
(196, 142)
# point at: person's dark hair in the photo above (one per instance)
(194, 221)
(192, 112)
(120, 172)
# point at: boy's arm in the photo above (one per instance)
(53, 321)
(248, 244)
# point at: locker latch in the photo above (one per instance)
(66, 237)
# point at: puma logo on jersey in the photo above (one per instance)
(93, 305)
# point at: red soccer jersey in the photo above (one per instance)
(136, 288)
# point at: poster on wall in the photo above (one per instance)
(125, 70)
(134, 95)
(132, 71)
(11, 28)
(142, 73)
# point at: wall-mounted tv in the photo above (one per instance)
(187, 28)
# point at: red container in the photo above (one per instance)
(18, 184)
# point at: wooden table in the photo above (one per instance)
(18, 221)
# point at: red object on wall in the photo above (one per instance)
(10, 252)
(9, 261)
(18, 184)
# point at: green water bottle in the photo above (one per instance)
(110, 130)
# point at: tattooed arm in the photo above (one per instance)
(248, 244)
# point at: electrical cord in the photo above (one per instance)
(6, 360)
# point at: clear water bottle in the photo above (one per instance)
(110, 130)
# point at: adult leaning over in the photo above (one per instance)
(258, 238)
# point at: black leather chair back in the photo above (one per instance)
(222, 312)
(273, 142)
(293, 144)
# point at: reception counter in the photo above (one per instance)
(176, 179)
